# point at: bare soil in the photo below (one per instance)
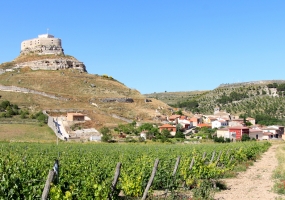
(255, 183)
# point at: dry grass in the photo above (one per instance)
(279, 172)
(81, 89)
(33, 57)
(26, 133)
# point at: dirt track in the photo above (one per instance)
(255, 183)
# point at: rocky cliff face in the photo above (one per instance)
(43, 62)
(53, 64)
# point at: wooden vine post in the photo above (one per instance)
(47, 185)
(51, 176)
(151, 179)
(116, 178)
(176, 165)
(213, 156)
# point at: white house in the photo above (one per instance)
(219, 123)
(257, 134)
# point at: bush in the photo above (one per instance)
(219, 139)
(245, 137)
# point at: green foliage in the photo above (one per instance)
(245, 137)
(204, 190)
(127, 128)
(105, 131)
(4, 105)
(150, 128)
(86, 171)
(166, 133)
(219, 139)
(233, 96)
(191, 105)
(179, 112)
(179, 134)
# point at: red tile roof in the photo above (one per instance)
(204, 125)
(166, 126)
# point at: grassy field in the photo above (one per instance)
(26, 133)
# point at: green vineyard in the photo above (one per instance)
(87, 170)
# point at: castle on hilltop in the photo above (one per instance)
(44, 44)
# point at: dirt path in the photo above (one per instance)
(255, 182)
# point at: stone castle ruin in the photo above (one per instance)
(46, 44)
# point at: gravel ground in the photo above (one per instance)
(255, 183)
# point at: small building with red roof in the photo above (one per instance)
(169, 127)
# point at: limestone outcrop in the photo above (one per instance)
(53, 64)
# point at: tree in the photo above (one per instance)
(179, 134)
(106, 134)
(179, 112)
(166, 133)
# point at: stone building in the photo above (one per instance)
(44, 44)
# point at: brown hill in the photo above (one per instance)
(101, 97)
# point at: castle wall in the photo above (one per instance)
(40, 41)
(44, 44)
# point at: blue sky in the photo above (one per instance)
(157, 46)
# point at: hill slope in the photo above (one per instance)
(101, 97)
(263, 100)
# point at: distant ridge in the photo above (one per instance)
(250, 83)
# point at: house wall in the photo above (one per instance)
(72, 117)
(222, 133)
(258, 134)
(239, 132)
(216, 124)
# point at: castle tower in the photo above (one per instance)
(44, 44)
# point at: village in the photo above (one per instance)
(224, 125)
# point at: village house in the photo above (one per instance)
(196, 120)
(169, 127)
(257, 133)
(72, 117)
(219, 123)
(274, 131)
(208, 119)
(238, 131)
(223, 132)
(185, 123)
(174, 118)
(236, 122)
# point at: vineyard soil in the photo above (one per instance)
(256, 182)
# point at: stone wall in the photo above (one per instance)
(121, 100)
